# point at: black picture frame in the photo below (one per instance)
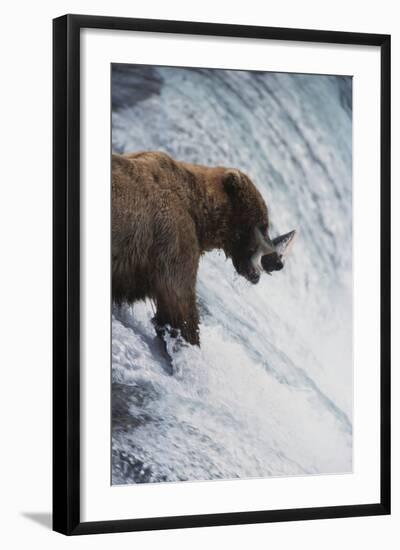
(66, 273)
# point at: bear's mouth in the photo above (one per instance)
(252, 274)
(253, 277)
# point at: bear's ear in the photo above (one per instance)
(232, 182)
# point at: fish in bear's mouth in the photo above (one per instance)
(273, 261)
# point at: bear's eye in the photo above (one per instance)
(237, 236)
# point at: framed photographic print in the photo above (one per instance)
(221, 274)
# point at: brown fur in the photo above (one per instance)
(165, 214)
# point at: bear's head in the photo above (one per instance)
(247, 240)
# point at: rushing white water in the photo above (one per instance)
(269, 392)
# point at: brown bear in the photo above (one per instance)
(165, 215)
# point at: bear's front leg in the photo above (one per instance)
(177, 315)
(175, 278)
